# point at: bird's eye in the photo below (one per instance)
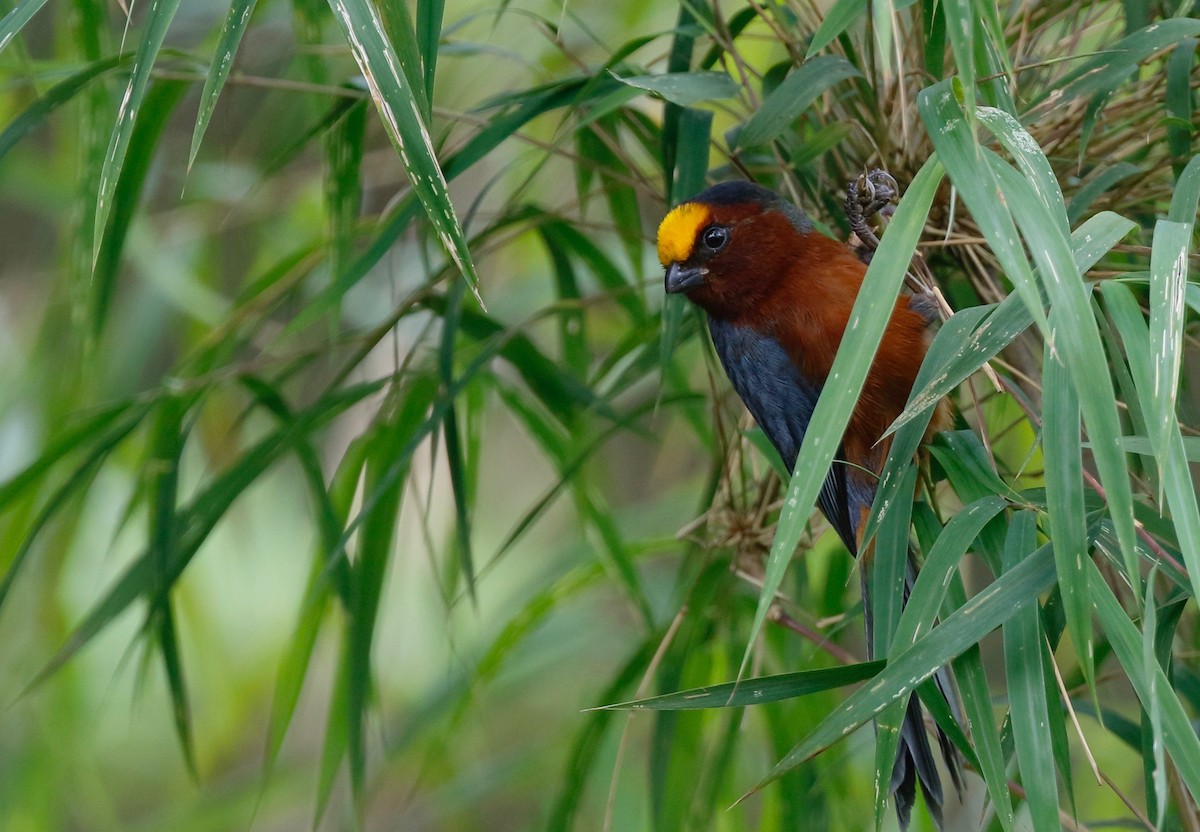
(715, 237)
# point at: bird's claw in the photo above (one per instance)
(868, 195)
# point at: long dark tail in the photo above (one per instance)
(915, 765)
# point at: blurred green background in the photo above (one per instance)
(298, 533)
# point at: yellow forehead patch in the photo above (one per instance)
(678, 230)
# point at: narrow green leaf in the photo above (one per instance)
(400, 109)
(889, 566)
(1112, 66)
(1155, 761)
(1024, 150)
(1176, 476)
(142, 141)
(428, 32)
(836, 20)
(948, 127)
(1076, 337)
(1024, 644)
(685, 88)
(1061, 449)
(1168, 279)
(1151, 684)
(756, 691)
(15, 20)
(218, 69)
(1009, 319)
(925, 600)
(61, 93)
(882, 17)
(158, 20)
(1010, 593)
(1099, 183)
(790, 99)
(960, 26)
(892, 488)
(1186, 194)
(1178, 99)
(868, 319)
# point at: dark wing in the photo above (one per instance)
(781, 400)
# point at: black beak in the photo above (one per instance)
(680, 279)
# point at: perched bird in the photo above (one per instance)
(778, 296)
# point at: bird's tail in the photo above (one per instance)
(915, 765)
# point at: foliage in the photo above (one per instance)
(362, 333)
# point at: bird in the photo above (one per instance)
(777, 295)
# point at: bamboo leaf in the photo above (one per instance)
(685, 88)
(1061, 449)
(15, 20)
(790, 99)
(1024, 644)
(868, 319)
(400, 109)
(755, 691)
(158, 20)
(230, 38)
(1010, 593)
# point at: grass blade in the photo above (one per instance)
(1024, 645)
(1061, 449)
(868, 319)
(218, 70)
(400, 108)
(753, 691)
(158, 20)
(15, 20)
(1009, 594)
(790, 99)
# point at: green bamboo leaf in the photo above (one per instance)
(157, 106)
(1098, 183)
(400, 109)
(62, 92)
(1151, 684)
(15, 20)
(1168, 279)
(882, 16)
(199, 518)
(756, 691)
(978, 708)
(1176, 476)
(892, 487)
(839, 17)
(1141, 445)
(1155, 761)
(1061, 449)
(1112, 66)
(1009, 319)
(790, 99)
(1076, 337)
(889, 566)
(868, 319)
(428, 32)
(1186, 194)
(948, 127)
(1010, 593)
(685, 88)
(925, 600)
(960, 26)
(1178, 99)
(228, 41)
(1024, 645)
(158, 20)
(1029, 157)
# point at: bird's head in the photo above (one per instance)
(728, 246)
